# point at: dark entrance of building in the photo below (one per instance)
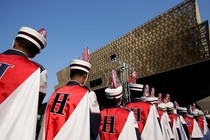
(186, 85)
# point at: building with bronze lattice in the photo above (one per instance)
(168, 52)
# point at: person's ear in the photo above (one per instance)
(84, 76)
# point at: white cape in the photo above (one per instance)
(196, 133)
(128, 131)
(18, 113)
(152, 128)
(166, 128)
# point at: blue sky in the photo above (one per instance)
(73, 25)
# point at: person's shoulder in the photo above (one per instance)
(126, 108)
(146, 103)
(87, 88)
(142, 102)
(127, 104)
(38, 64)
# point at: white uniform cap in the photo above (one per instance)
(114, 92)
(155, 100)
(38, 38)
(137, 87)
(200, 113)
(169, 106)
(151, 99)
(162, 106)
(182, 109)
(207, 116)
(80, 65)
(195, 112)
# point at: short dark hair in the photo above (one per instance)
(74, 72)
(112, 102)
(136, 94)
(27, 45)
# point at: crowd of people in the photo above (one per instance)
(73, 112)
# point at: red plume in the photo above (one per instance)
(160, 98)
(43, 32)
(176, 104)
(86, 55)
(193, 106)
(132, 78)
(167, 98)
(146, 91)
(152, 92)
(113, 80)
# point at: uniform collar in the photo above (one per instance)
(15, 52)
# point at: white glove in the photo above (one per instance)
(43, 82)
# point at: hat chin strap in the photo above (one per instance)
(85, 79)
(13, 43)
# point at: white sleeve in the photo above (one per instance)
(43, 82)
(94, 106)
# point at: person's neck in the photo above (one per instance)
(73, 80)
(76, 80)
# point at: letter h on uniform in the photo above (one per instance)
(137, 113)
(3, 68)
(108, 124)
(61, 102)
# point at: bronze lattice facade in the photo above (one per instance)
(172, 40)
